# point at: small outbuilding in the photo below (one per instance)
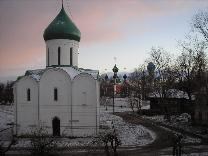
(176, 102)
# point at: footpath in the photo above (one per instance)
(163, 144)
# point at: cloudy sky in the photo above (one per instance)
(125, 29)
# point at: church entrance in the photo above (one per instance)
(56, 126)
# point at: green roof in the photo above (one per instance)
(62, 27)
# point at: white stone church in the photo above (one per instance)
(62, 97)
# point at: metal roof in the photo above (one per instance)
(62, 27)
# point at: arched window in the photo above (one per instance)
(28, 94)
(55, 94)
(71, 56)
(59, 55)
(48, 57)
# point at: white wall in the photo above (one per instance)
(55, 78)
(84, 108)
(77, 106)
(27, 115)
(65, 45)
(98, 104)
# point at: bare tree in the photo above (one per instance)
(134, 102)
(4, 149)
(42, 144)
(138, 82)
(8, 92)
(109, 140)
(164, 75)
(200, 23)
(191, 65)
(2, 86)
(131, 102)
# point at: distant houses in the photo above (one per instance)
(179, 103)
(171, 105)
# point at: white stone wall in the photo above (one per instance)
(65, 46)
(98, 104)
(84, 108)
(49, 108)
(27, 115)
(77, 106)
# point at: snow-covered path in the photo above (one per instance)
(129, 134)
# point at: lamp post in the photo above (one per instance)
(106, 91)
(125, 88)
(115, 71)
(105, 88)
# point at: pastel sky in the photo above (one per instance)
(125, 29)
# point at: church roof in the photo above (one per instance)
(35, 74)
(71, 71)
(62, 27)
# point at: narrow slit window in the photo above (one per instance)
(59, 55)
(84, 98)
(71, 56)
(28, 94)
(55, 94)
(48, 57)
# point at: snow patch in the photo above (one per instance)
(129, 134)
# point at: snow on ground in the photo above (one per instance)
(121, 105)
(156, 118)
(188, 139)
(130, 134)
(182, 125)
(6, 117)
(186, 151)
(61, 142)
(200, 150)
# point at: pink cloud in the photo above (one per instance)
(107, 21)
(22, 24)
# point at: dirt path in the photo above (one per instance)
(163, 143)
(163, 137)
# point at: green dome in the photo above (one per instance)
(62, 27)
